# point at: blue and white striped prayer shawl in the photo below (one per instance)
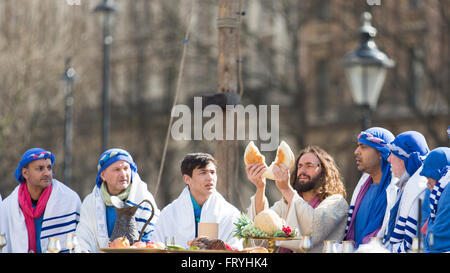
(435, 194)
(405, 230)
(92, 230)
(60, 218)
(436, 166)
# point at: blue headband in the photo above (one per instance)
(448, 132)
(30, 156)
(412, 148)
(437, 163)
(111, 156)
(377, 138)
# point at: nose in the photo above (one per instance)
(389, 159)
(356, 152)
(48, 172)
(123, 173)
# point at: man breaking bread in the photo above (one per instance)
(313, 197)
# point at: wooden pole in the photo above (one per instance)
(228, 39)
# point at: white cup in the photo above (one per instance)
(210, 230)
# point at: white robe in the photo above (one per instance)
(60, 217)
(408, 214)
(177, 220)
(92, 231)
(326, 222)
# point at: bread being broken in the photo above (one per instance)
(284, 156)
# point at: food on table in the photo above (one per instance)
(120, 242)
(268, 221)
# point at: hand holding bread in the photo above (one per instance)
(253, 157)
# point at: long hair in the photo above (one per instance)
(330, 177)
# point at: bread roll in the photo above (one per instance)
(284, 156)
(253, 155)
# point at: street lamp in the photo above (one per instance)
(108, 9)
(366, 69)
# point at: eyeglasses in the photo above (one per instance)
(308, 166)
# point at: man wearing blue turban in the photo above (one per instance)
(436, 169)
(39, 208)
(368, 203)
(117, 176)
(408, 152)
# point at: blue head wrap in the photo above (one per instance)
(377, 138)
(111, 156)
(437, 163)
(29, 156)
(412, 148)
(448, 131)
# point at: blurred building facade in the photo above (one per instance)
(291, 52)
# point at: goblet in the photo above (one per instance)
(2, 241)
(54, 246)
(415, 247)
(329, 246)
(348, 247)
(69, 242)
(306, 243)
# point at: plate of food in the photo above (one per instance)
(267, 225)
(122, 245)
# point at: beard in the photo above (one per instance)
(311, 184)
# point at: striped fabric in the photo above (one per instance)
(404, 218)
(405, 230)
(60, 226)
(61, 217)
(349, 218)
(435, 195)
(141, 216)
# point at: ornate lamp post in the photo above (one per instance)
(366, 69)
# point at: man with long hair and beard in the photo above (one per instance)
(313, 197)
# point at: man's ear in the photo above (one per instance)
(187, 179)
(25, 173)
(102, 175)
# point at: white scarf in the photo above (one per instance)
(138, 193)
(61, 217)
(407, 217)
(177, 220)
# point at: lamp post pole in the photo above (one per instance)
(107, 7)
(68, 77)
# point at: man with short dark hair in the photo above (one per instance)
(369, 199)
(199, 202)
(39, 208)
